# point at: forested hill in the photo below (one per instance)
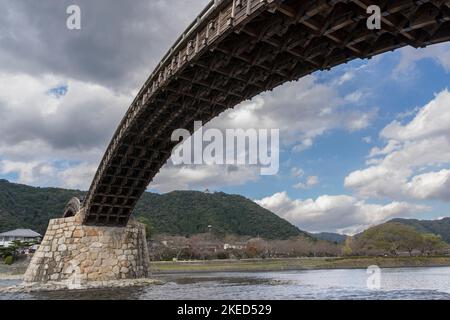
(439, 227)
(23, 206)
(189, 212)
(176, 213)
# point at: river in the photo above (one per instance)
(398, 283)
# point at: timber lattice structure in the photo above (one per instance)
(233, 51)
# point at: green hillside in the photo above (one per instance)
(176, 213)
(28, 207)
(439, 227)
(394, 237)
(189, 212)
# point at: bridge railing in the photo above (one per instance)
(218, 11)
(204, 16)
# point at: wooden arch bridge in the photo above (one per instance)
(234, 50)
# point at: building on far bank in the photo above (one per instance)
(238, 246)
(25, 235)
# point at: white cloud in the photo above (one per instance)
(346, 77)
(117, 46)
(431, 121)
(28, 172)
(391, 146)
(310, 182)
(78, 176)
(440, 53)
(342, 213)
(303, 145)
(299, 185)
(396, 171)
(84, 118)
(354, 97)
(40, 131)
(431, 185)
(297, 172)
(202, 177)
(49, 174)
(408, 113)
(302, 110)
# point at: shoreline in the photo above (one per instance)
(53, 286)
(293, 264)
(269, 265)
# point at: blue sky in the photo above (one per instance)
(59, 91)
(360, 144)
(338, 152)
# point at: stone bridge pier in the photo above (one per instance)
(71, 251)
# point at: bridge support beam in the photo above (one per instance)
(73, 252)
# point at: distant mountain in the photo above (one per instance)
(329, 236)
(438, 227)
(176, 213)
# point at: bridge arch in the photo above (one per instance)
(234, 50)
(72, 208)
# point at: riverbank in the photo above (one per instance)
(261, 265)
(17, 270)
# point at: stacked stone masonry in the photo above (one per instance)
(73, 251)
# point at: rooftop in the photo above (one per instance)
(26, 233)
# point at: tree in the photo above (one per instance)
(431, 243)
(390, 237)
(394, 236)
(410, 240)
(256, 248)
(347, 248)
(148, 226)
(7, 251)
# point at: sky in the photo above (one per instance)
(363, 143)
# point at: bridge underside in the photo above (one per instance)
(242, 48)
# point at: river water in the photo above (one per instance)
(398, 283)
